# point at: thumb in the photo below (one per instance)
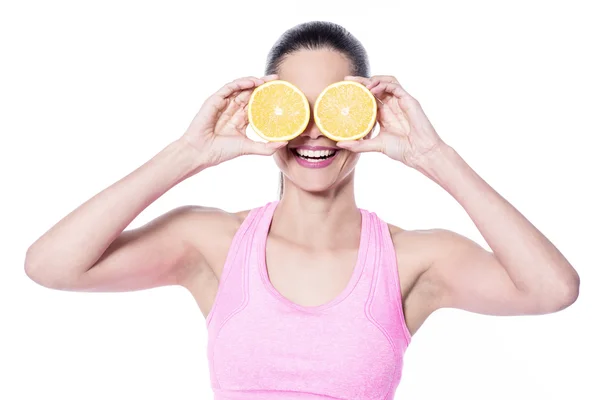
(263, 149)
(361, 146)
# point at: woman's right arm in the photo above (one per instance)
(88, 250)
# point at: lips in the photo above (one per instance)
(314, 156)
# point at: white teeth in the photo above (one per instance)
(315, 153)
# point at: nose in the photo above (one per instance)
(312, 130)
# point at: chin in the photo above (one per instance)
(316, 176)
(312, 185)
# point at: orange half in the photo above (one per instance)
(345, 110)
(278, 111)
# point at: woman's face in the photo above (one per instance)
(311, 71)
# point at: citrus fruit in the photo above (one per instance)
(345, 110)
(278, 111)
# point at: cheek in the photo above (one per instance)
(282, 158)
(351, 159)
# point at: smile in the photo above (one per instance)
(314, 157)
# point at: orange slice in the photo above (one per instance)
(345, 110)
(278, 111)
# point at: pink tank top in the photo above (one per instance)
(263, 346)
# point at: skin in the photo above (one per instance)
(317, 220)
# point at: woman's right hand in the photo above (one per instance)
(218, 131)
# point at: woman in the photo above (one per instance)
(308, 296)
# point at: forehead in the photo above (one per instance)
(312, 70)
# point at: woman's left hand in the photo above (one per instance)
(405, 133)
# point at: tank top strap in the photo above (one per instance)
(265, 217)
(232, 292)
(386, 300)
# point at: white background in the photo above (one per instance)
(91, 90)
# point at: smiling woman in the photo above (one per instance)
(308, 296)
(318, 36)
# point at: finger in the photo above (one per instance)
(218, 102)
(359, 79)
(264, 149)
(385, 78)
(367, 82)
(372, 81)
(391, 88)
(238, 85)
(243, 98)
(239, 118)
(271, 77)
(362, 146)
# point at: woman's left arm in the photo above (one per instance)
(524, 274)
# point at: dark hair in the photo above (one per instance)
(317, 35)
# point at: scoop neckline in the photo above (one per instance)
(356, 272)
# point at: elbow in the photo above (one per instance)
(570, 291)
(553, 295)
(31, 265)
(34, 269)
(39, 272)
(565, 293)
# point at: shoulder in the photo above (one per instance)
(418, 250)
(418, 253)
(198, 218)
(427, 244)
(203, 225)
(207, 232)
(412, 241)
(433, 256)
(413, 249)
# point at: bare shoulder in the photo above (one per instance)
(416, 251)
(428, 245)
(413, 249)
(207, 232)
(209, 216)
(425, 244)
(207, 227)
(412, 243)
(210, 232)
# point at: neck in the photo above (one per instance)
(321, 219)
